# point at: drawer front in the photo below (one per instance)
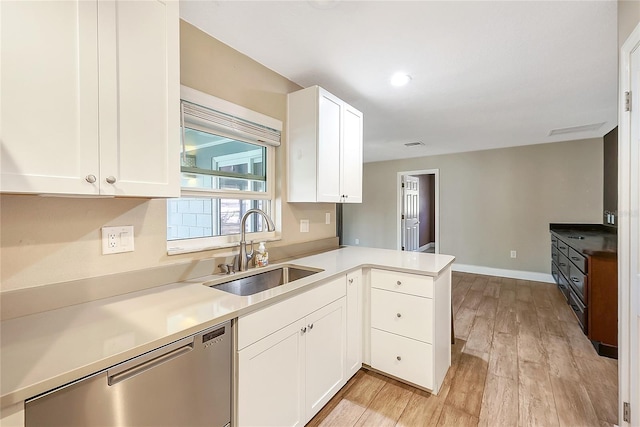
(554, 241)
(563, 248)
(402, 314)
(578, 259)
(579, 310)
(412, 284)
(401, 357)
(555, 254)
(563, 285)
(578, 282)
(563, 264)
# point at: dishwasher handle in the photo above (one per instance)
(148, 361)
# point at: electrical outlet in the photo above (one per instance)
(116, 240)
(327, 218)
(513, 254)
(357, 241)
(304, 225)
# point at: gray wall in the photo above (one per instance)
(491, 202)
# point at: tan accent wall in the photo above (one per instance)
(628, 18)
(491, 202)
(46, 240)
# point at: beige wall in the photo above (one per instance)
(491, 202)
(47, 240)
(628, 18)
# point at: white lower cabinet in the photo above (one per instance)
(404, 341)
(289, 374)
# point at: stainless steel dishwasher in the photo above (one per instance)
(186, 383)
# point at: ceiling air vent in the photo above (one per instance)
(414, 144)
(575, 129)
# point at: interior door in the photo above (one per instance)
(629, 231)
(410, 213)
(634, 246)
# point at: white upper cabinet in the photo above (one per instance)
(90, 98)
(324, 148)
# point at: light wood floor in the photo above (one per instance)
(519, 359)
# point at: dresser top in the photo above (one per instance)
(590, 239)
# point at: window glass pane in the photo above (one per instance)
(215, 162)
(209, 217)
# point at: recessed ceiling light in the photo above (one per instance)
(414, 144)
(400, 79)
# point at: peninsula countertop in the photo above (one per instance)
(46, 350)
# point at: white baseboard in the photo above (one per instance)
(500, 272)
(427, 246)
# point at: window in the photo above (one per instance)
(227, 166)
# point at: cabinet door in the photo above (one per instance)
(139, 98)
(325, 355)
(351, 158)
(329, 136)
(354, 323)
(271, 379)
(49, 96)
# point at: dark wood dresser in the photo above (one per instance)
(584, 264)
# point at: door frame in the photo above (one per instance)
(628, 387)
(436, 173)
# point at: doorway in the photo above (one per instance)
(629, 231)
(418, 211)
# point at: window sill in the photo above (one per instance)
(173, 249)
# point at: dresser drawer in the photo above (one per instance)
(578, 259)
(578, 282)
(412, 284)
(563, 264)
(563, 248)
(402, 314)
(402, 357)
(555, 254)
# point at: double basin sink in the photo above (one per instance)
(264, 280)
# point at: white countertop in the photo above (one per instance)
(46, 350)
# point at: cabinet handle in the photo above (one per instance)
(399, 358)
(303, 330)
(110, 180)
(399, 315)
(350, 280)
(311, 326)
(575, 258)
(575, 280)
(90, 179)
(398, 283)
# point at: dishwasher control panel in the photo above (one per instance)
(214, 337)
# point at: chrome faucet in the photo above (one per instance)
(244, 257)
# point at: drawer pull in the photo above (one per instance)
(575, 258)
(399, 315)
(399, 358)
(311, 326)
(398, 283)
(350, 280)
(562, 247)
(575, 280)
(303, 330)
(562, 264)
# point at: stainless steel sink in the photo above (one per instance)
(264, 280)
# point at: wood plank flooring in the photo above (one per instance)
(520, 359)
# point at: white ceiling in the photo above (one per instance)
(485, 74)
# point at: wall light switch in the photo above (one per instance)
(513, 254)
(116, 240)
(304, 225)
